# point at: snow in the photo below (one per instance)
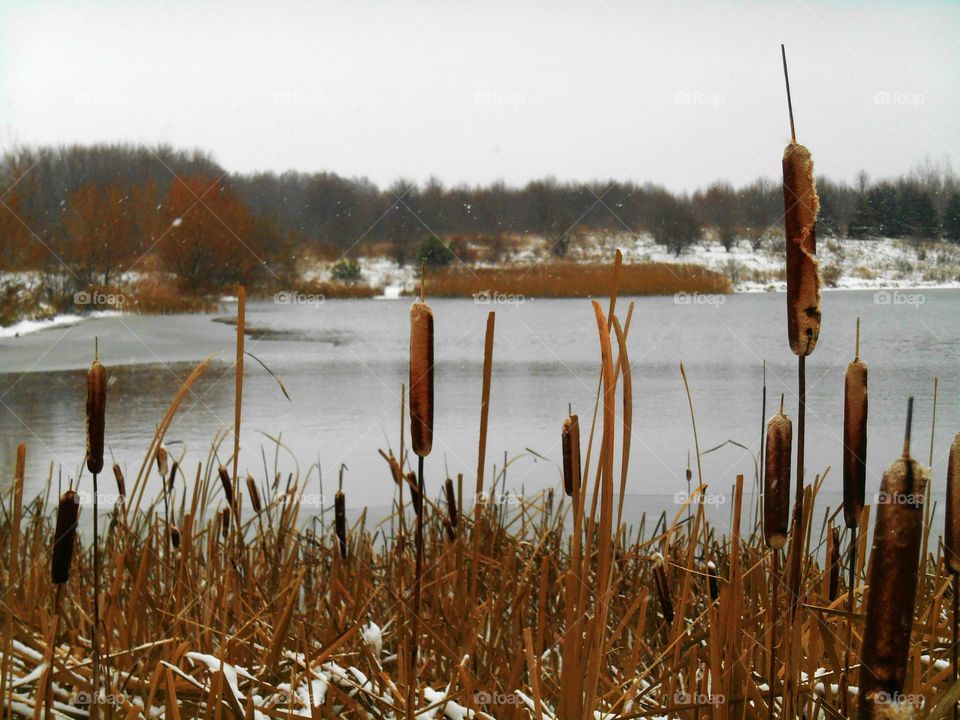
(25, 327)
(373, 637)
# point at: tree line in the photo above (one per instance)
(84, 214)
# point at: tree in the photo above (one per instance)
(918, 214)
(101, 229)
(433, 253)
(674, 224)
(951, 217)
(346, 270)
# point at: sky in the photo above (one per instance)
(676, 93)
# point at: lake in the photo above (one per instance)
(343, 363)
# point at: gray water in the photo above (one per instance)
(343, 363)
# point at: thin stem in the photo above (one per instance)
(786, 78)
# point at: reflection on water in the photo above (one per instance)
(343, 363)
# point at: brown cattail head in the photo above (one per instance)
(162, 460)
(64, 537)
(340, 521)
(776, 481)
(96, 415)
(854, 441)
(713, 578)
(951, 535)
(414, 492)
(800, 221)
(121, 485)
(225, 523)
(451, 532)
(421, 378)
(451, 494)
(833, 585)
(254, 495)
(226, 483)
(172, 479)
(892, 583)
(174, 537)
(570, 442)
(663, 587)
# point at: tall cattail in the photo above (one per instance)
(96, 415)
(570, 443)
(340, 521)
(254, 495)
(776, 480)
(421, 378)
(892, 581)
(64, 537)
(854, 438)
(225, 523)
(951, 535)
(121, 485)
(227, 484)
(800, 222)
(451, 494)
(833, 554)
(663, 587)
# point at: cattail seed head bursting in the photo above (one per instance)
(64, 537)
(570, 444)
(776, 481)
(162, 455)
(801, 205)
(854, 441)
(96, 415)
(421, 378)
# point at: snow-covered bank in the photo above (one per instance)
(25, 327)
(845, 263)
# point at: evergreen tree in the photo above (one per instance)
(951, 218)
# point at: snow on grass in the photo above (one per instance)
(25, 327)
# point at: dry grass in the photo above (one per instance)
(568, 279)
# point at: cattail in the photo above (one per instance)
(225, 523)
(121, 485)
(421, 378)
(713, 579)
(171, 480)
(800, 221)
(570, 442)
(776, 481)
(64, 537)
(663, 587)
(854, 441)
(892, 581)
(96, 415)
(174, 537)
(254, 495)
(414, 492)
(833, 586)
(340, 521)
(162, 460)
(951, 535)
(451, 503)
(451, 533)
(226, 483)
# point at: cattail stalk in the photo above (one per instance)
(663, 588)
(96, 421)
(776, 480)
(452, 512)
(892, 582)
(340, 521)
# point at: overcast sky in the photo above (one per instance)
(679, 93)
